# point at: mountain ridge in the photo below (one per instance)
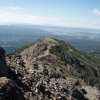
(52, 69)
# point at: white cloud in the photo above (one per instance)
(16, 16)
(14, 8)
(7, 17)
(11, 8)
(96, 12)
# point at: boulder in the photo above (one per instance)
(9, 90)
(78, 95)
(3, 66)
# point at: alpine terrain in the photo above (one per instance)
(49, 69)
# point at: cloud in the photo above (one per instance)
(9, 18)
(96, 12)
(14, 8)
(19, 17)
(11, 8)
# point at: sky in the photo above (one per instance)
(67, 13)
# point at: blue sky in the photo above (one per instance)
(69, 13)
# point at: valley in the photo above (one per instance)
(14, 37)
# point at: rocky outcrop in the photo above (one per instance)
(9, 90)
(46, 70)
(3, 66)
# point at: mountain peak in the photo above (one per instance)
(48, 40)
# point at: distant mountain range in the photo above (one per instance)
(17, 36)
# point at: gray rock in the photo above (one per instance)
(78, 95)
(3, 66)
(9, 90)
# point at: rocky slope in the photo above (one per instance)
(48, 70)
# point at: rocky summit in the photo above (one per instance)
(49, 69)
